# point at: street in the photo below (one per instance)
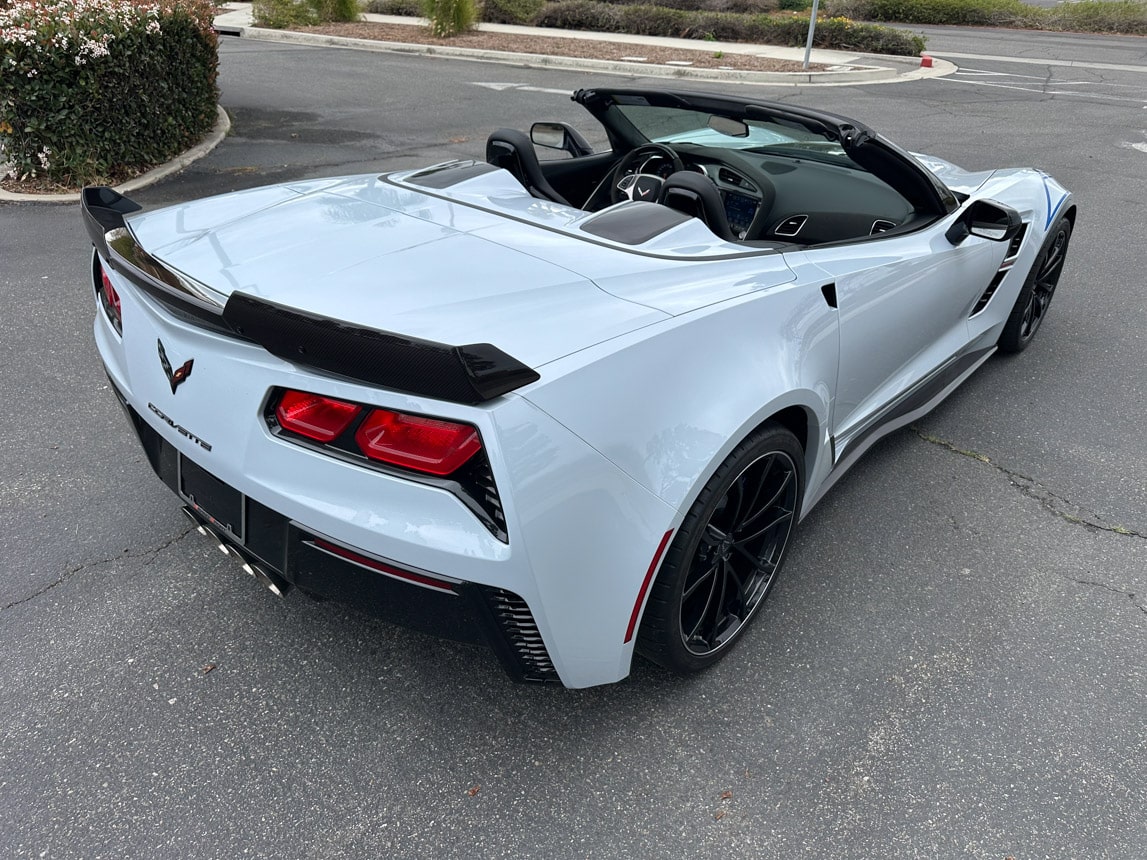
(952, 664)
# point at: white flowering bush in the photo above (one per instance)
(98, 90)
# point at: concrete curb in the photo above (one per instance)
(213, 139)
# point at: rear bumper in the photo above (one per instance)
(419, 600)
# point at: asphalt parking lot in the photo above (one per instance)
(952, 666)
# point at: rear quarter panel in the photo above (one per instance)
(667, 404)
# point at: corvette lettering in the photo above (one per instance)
(179, 428)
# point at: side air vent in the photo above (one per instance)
(522, 635)
(735, 179)
(1016, 243)
(881, 225)
(790, 226)
(982, 302)
(1005, 267)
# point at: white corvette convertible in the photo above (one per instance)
(574, 407)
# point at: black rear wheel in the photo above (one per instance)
(1032, 303)
(727, 554)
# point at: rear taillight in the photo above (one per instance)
(320, 418)
(432, 446)
(416, 447)
(109, 300)
(412, 442)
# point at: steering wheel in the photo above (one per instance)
(640, 186)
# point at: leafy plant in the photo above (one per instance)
(94, 90)
(410, 8)
(450, 17)
(280, 14)
(511, 11)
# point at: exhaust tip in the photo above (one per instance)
(271, 581)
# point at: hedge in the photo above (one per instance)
(280, 14)
(97, 90)
(781, 29)
(1085, 16)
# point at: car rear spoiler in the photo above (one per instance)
(472, 373)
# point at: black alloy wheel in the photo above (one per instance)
(726, 556)
(1035, 296)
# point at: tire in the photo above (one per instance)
(712, 582)
(1035, 296)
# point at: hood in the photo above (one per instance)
(956, 178)
(387, 258)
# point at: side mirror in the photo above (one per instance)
(986, 219)
(559, 135)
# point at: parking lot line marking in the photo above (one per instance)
(1043, 92)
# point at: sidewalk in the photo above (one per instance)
(844, 67)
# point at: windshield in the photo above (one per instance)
(702, 128)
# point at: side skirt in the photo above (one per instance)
(912, 404)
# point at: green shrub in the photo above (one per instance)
(744, 7)
(97, 90)
(1085, 16)
(1097, 16)
(280, 14)
(511, 11)
(965, 12)
(450, 17)
(337, 10)
(580, 15)
(411, 8)
(796, 5)
(653, 21)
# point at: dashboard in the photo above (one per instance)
(783, 198)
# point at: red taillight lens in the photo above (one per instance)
(320, 418)
(109, 298)
(423, 444)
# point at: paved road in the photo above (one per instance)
(953, 665)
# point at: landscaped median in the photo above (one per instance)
(849, 25)
(98, 91)
(760, 22)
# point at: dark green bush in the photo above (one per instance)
(744, 7)
(795, 5)
(580, 15)
(966, 12)
(98, 91)
(411, 8)
(1087, 16)
(511, 11)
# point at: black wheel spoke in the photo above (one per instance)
(731, 573)
(752, 506)
(780, 518)
(764, 509)
(704, 612)
(697, 583)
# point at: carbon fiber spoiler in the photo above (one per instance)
(472, 373)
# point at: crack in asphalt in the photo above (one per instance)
(1130, 595)
(1051, 501)
(68, 574)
